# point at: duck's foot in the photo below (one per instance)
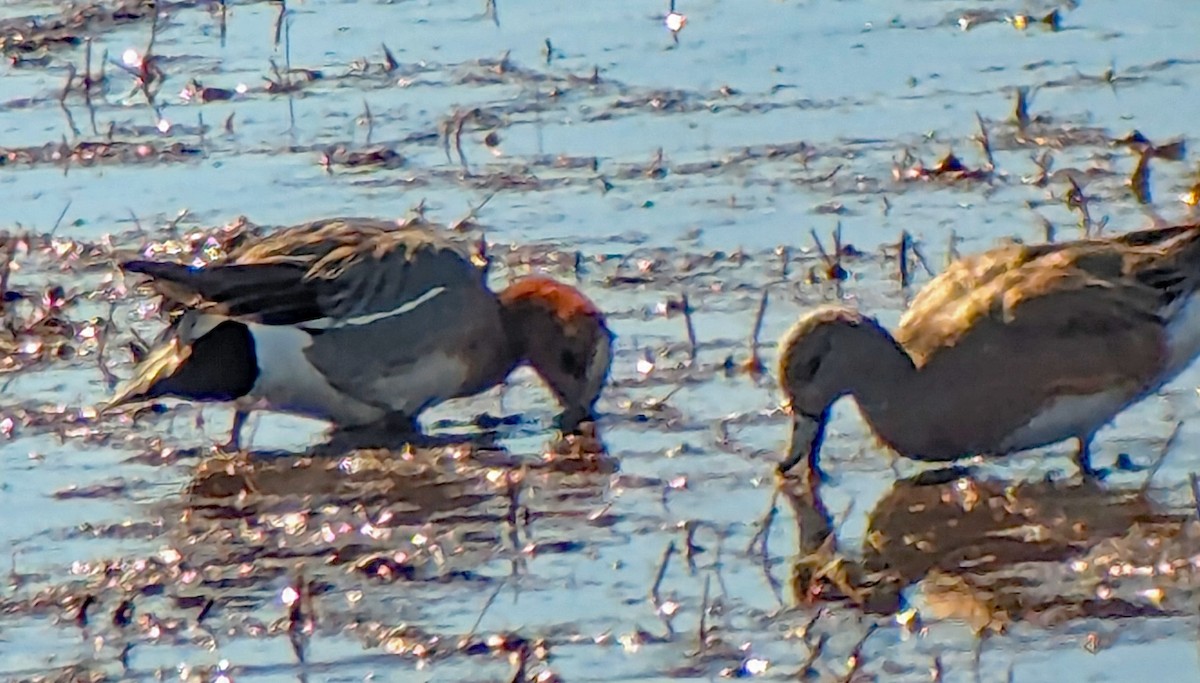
(234, 443)
(1083, 457)
(1126, 464)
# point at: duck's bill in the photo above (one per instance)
(804, 446)
(148, 377)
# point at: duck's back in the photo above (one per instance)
(1023, 346)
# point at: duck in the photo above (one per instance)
(364, 323)
(1015, 348)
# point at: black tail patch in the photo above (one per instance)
(223, 366)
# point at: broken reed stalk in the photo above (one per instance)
(1195, 482)
(389, 60)
(1139, 182)
(917, 251)
(754, 363)
(856, 659)
(985, 142)
(148, 69)
(703, 630)
(655, 599)
(691, 328)
(952, 254)
(764, 525)
(1162, 455)
(58, 221)
(279, 22)
(487, 604)
(370, 121)
(81, 614)
(110, 380)
(905, 242)
(6, 255)
(814, 653)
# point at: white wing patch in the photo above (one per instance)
(368, 318)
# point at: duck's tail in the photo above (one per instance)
(201, 358)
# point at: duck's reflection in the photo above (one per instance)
(973, 542)
(396, 470)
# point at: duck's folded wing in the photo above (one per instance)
(322, 279)
(1070, 320)
(274, 294)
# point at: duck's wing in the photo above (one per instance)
(1070, 318)
(318, 274)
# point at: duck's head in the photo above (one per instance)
(562, 335)
(821, 358)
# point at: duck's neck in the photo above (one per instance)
(880, 375)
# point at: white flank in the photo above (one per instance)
(1183, 337)
(1065, 417)
(368, 318)
(288, 381)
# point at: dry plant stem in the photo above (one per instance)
(703, 630)
(952, 254)
(814, 653)
(279, 22)
(61, 215)
(1195, 481)
(369, 119)
(209, 605)
(487, 604)
(691, 329)
(5, 268)
(902, 260)
(920, 254)
(110, 380)
(689, 545)
(755, 362)
(389, 60)
(820, 247)
(764, 525)
(81, 614)
(856, 658)
(985, 143)
(1139, 182)
(148, 69)
(662, 572)
(1162, 455)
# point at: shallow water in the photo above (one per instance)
(575, 169)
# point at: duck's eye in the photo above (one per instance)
(572, 364)
(811, 367)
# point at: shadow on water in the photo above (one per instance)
(990, 552)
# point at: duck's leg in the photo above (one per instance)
(234, 444)
(1083, 457)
